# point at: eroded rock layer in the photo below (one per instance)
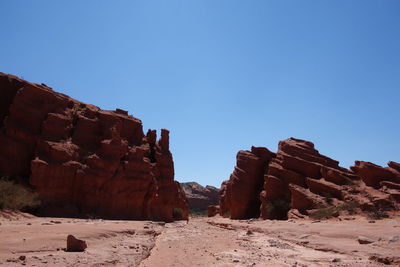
(298, 181)
(83, 160)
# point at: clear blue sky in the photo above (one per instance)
(223, 75)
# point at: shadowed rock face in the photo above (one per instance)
(240, 195)
(199, 197)
(298, 179)
(82, 160)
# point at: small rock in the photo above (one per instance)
(75, 245)
(365, 240)
(249, 232)
(304, 236)
(372, 221)
(22, 258)
(394, 239)
(336, 260)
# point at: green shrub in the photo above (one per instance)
(16, 197)
(177, 213)
(195, 213)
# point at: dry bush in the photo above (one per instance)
(324, 212)
(16, 197)
(177, 213)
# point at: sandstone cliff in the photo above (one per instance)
(200, 197)
(298, 181)
(82, 160)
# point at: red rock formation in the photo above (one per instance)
(240, 193)
(373, 174)
(303, 199)
(394, 165)
(82, 160)
(298, 180)
(224, 200)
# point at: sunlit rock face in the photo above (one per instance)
(299, 180)
(84, 161)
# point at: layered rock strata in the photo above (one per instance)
(298, 179)
(82, 160)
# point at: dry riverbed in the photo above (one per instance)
(33, 241)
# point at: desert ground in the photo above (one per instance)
(33, 241)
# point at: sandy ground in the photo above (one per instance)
(201, 242)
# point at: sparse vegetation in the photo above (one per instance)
(177, 213)
(328, 197)
(14, 196)
(195, 213)
(378, 213)
(324, 212)
(278, 208)
(350, 207)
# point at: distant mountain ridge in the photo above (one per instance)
(200, 197)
